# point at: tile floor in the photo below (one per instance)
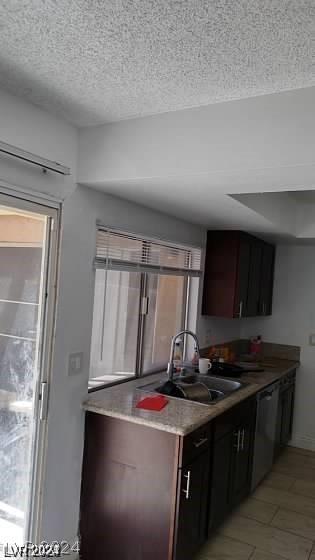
(278, 521)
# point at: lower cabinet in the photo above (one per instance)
(144, 491)
(232, 457)
(193, 507)
(151, 494)
(220, 481)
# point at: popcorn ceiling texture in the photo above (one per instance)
(95, 61)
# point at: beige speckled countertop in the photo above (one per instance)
(179, 416)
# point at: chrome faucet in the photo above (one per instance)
(170, 365)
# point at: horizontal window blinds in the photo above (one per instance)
(121, 251)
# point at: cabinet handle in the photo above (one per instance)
(240, 309)
(186, 490)
(237, 444)
(264, 308)
(243, 438)
(200, 442)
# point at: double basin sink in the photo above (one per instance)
(205, 389)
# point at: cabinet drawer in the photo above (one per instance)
(237, 415)
(195, 443)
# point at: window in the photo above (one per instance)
(140, 302)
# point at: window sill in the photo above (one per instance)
(98, 383)
(122, 380)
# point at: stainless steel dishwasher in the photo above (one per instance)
(265, 433)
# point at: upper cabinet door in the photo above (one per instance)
(254, 278)
(221, 274)
(267, 274)
(243, 270)
(238, 275)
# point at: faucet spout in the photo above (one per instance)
(170, 365)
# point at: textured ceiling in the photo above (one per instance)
(95, 61)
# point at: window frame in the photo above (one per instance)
(144, 274)
(142, 319)
(139, 373)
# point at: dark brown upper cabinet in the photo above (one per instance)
(267, 274)
(239, 274)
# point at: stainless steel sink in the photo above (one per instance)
(218, 388)
(217, 383)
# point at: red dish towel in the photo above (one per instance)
(153, 403)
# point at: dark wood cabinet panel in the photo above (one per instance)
(144, 492)
(223, 278)
(242, 279)
(267, 274)
(238, 275)
(242, 460)
(195, 443)
(254, 279)
(220, 481)
(151, 494)
(232, 461)
(193, 506)
(128, 496)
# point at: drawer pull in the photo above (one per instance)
(186, 490)
(200, 442)
(240, 313)
(243, 438)
(237, 444)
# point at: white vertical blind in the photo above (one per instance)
(122, 251)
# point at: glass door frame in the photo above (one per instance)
(48, 296)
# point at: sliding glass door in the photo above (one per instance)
(26, 240)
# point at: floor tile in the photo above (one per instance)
(296, 459)
(295, 523)
(225, 548)
(258, 510)
(278, 480)
(266, 538)
(260, 555)
(296, 466)
(287, 500)
(304, 488)
(303, 473)
(301, 451)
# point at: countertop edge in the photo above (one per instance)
(150, 422)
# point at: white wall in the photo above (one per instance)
(80, 212)
(34, 130)
(292, 321)
(305, 220)
(215, 330)
(257, 133)
(278, 208)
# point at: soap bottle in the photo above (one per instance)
(195, 358)
(178, 357)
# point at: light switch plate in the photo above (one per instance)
(311, 339)
(75, 363)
